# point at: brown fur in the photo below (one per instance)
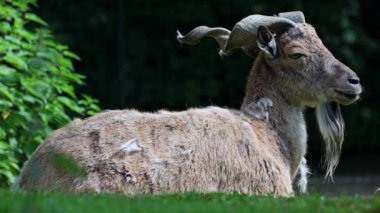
(204, 150)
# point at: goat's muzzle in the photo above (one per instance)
(349, 89)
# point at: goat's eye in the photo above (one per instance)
(297, 55)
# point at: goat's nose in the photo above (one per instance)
(353, 80)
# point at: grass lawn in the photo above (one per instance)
(188, 202)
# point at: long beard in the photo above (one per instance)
(331, 126)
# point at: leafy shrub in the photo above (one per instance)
(36, 85)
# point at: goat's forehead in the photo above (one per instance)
(303, 33)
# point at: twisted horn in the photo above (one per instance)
(197, 34)
(243, 34)
(295, 16)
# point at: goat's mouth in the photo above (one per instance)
(346, 97)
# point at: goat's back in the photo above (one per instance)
(204, 150)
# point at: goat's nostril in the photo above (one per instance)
(353, 80)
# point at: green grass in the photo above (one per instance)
(188, 202)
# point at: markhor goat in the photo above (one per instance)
(259, 149)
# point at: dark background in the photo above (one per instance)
(132, 60)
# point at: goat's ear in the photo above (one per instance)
(266, 41)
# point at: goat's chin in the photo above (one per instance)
(345, 97)
(331, 126)
(344, 100)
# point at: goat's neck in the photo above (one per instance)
(285, 118)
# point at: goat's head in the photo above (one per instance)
(311, 75)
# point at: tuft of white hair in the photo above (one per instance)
(331, 126)
(303, 173)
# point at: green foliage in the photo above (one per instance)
(187, 202)
(68, 165)
(37, 82)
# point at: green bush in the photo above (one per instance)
(37, 93)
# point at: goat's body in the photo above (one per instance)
(204, 150)
(258, 150)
